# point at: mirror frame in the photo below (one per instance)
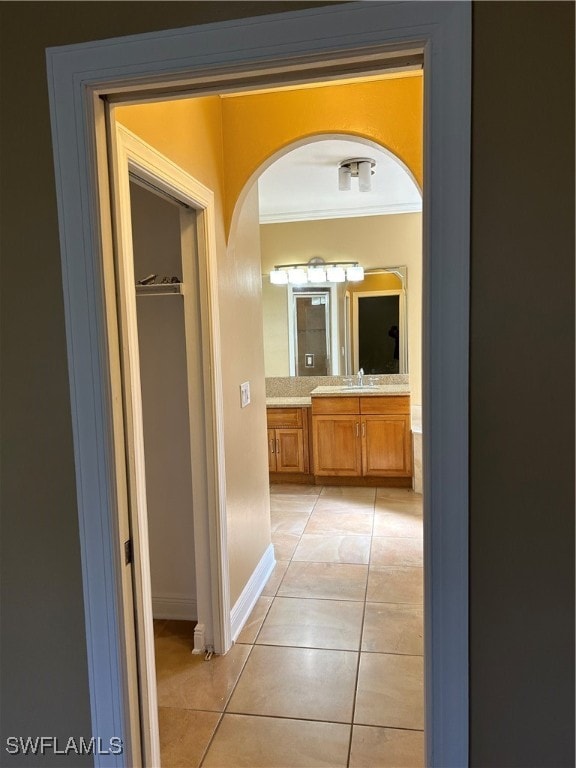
(343, 309)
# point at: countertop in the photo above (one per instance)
(367, 391)
(285, 402)
(302, 402)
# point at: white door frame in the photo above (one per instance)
(129, 154)
(307, 44)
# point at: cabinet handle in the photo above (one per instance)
(357, 430)
(277, 445)
(363, 429)
(271, 446)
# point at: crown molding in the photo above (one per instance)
(340, 213)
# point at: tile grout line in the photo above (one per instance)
(223, 712)
(355, 694)
(211, 739)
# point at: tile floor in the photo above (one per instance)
(328, 670)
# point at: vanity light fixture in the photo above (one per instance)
(361, 168)
(317, 271)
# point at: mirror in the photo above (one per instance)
(334, 329)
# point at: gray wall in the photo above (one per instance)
(522, 372)
(521, 453)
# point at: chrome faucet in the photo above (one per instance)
(361, 377)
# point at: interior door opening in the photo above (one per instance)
(73, 100)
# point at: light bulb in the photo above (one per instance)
(336, 274)
(297, 276)
(355, 273)
(344, 178)
(316, 274)
(279, 277)
(364, 174)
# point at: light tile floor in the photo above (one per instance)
(328, 670)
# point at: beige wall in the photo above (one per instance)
(247, 492)
(522, 353)
(275, 326)
(375, 241)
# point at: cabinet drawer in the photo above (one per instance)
(346, 405)
(389, 404)
(284, 417)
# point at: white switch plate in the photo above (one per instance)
(244, 394)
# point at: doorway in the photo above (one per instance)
(379, 335)
(318, 34)
(238, 249)
(310, 321)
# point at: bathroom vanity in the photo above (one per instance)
(288, 441)
(353, 436)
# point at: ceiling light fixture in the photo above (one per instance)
(317, 271)
(361, 168)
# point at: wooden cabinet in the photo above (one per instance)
(336, 446)
(362, 436)
(386, 446)
(285, 450)
(288, 440)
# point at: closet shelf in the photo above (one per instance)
(158, 289)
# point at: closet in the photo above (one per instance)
(157, 246)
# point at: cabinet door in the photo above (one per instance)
(272, 450)
(386, 446)
(289, 450)
(336, 443)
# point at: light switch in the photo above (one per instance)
(244, 394)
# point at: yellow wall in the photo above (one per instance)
(256, 126)
(240, 133)
(188, 131)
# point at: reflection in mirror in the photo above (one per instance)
(309, 328)
(335, 329)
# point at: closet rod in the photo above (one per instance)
(158, 190)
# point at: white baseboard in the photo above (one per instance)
(251, 592)
(174, 607)
(199, 639)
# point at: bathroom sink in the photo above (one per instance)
(358, 388)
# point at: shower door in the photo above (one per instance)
(311, 312)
